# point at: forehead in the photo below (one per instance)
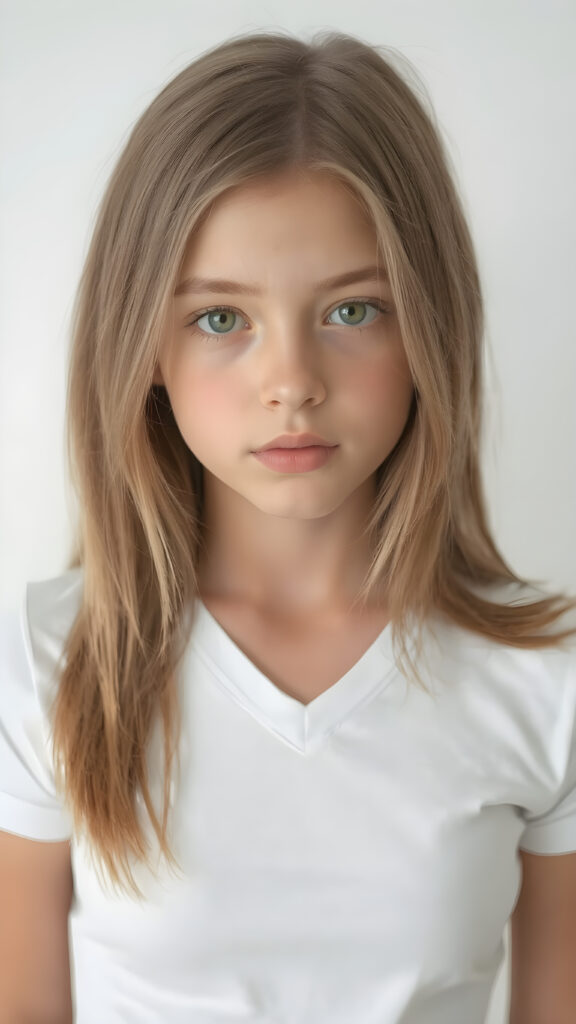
(295, 210)
(296, 182)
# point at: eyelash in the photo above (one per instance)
(230, 309)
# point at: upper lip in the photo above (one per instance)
(295, 441)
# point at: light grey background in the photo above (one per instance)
(75, 76)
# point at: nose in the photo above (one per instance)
(291, 372)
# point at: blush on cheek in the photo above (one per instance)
(386, 388)
(212, 404)
(385, 398)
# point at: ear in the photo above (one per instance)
(158, 378)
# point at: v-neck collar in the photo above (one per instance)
(303, 726)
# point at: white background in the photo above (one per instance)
(74, 76)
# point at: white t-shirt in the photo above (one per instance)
(350, 860)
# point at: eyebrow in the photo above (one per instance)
(193, 285)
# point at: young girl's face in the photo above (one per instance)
(295, 354)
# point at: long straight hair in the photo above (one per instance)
(256, 106)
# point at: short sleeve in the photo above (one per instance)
(552, 829)
(29, 804)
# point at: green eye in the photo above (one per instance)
(217, 318)
(224, 317)
(356, 311)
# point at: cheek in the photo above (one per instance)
(202, 405)
(384, 392)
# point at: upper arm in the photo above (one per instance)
(543, 941)
(35, 895)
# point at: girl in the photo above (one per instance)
(285, 741)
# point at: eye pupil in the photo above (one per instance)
(219, 317)
(354, 307)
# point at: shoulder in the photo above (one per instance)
(543, 677)
(54, 602)
(31, 640)
(501, 595)
(50, 607)
(32, 636)
(515, 707)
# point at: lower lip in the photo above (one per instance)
(295, 460)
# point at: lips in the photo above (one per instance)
(296, 441)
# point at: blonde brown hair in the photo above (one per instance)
(255, 106)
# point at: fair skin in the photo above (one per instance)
(287, 547)
(290, 360)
